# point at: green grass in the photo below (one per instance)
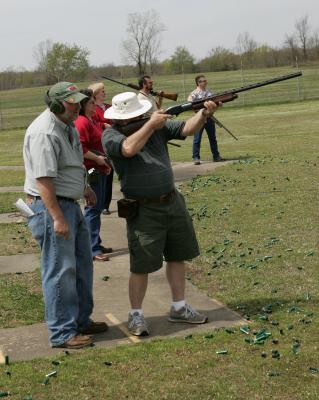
(7, 200)
(21, 300)
(11, 178)
(11, 141)
(15, 238)
(169, 369)
(256, 221)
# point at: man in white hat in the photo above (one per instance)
(158, 223)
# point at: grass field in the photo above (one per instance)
(21, 300)
(15, 238)
(256, 221)
(7, 200)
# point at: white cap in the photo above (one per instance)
(127, 105)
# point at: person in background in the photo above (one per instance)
(200, 93)
(90, 137)
(99, 95)
(145, 84)
(54, 182)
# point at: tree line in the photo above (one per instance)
(141, 51)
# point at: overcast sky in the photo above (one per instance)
(100, 25)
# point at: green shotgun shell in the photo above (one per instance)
(244, 329)
(51, 374)
(4, 394)
(273, 373)
(108, 363)
(275, 354)
(314, 370)
(221, 352)
(210, 336)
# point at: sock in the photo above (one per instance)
(138, 310)
(178, 304)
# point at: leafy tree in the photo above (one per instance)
(182, 60)
(143, 44)
(222, 59)
(63, 62)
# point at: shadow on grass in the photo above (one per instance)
(268, 305)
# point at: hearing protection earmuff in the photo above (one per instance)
(56, 106)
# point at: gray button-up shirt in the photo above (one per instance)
(53, 149)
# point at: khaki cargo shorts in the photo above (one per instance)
(161, 230)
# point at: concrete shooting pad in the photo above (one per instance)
(111, 297)
(19, 263)
(112, 305)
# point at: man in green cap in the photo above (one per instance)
(54, 182)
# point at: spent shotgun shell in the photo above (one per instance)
(222, 352)
(51, 374)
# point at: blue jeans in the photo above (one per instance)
(67, 270)
(92, 214)
(210, 129)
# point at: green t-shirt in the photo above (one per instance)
(149, 173)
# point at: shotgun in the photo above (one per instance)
(169, 96)
(221, 97)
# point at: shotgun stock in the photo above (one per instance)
(169, 96)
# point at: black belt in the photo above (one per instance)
(165, 198)
(58, 197)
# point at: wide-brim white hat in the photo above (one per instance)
(127, 105)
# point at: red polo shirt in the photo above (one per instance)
(99, 115)
(90, 138)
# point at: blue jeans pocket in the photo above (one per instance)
(36, 224)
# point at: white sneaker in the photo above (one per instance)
(187, 314)
(137, 324)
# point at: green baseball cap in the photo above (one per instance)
(66, 91)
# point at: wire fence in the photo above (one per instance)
(19, 107)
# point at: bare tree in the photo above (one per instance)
(291, 43)
(303, 29)
(314, 44)
(246, 46)
(143, 44)
(40, 54)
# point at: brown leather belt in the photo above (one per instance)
(165, 198)
(30, 197)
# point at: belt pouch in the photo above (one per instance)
(127, 208)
